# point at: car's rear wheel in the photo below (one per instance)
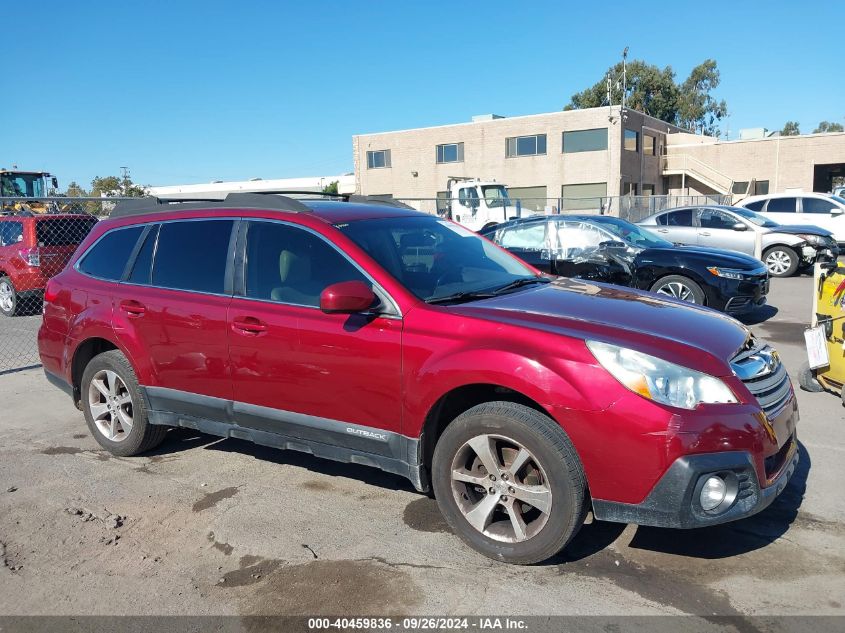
(114, 408)
(781, 261)
(8, 297)
(679, 287)
(509, 482)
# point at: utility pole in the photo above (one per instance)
(624, 76)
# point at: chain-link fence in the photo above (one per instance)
(37, 238)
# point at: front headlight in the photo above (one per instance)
(660, 380)
(727, 273)
(816, 240)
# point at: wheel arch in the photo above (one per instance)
(82, 355)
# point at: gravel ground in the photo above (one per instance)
(209, 526)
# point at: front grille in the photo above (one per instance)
(759, 367)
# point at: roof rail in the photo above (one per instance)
(151, 204)
(345, 197)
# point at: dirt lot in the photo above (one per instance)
(210, 526)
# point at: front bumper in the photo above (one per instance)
(673, 502)
(738, 296)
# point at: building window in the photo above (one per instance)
(648, 190)
(525, 145)
(529, 198)
(378, 159)
(761, 187)
(739, 186)
(585, 140)
(450, 153)
(586, 196)
(632, 140)
(649, 145)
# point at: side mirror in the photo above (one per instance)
(55, 182)
(614, 245)
(739, 226)
(836, 211)
(347, 297)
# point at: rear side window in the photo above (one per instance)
(62, 231)
(108, 257)
(677, 218)
(781, 205)
(11, 233)
(192, 255)
(755, 206)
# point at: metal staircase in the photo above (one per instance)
(690, 167)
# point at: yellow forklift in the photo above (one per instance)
(825, 338)
(31, 187)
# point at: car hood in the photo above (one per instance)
(797, 229)
(714, 256)
(682, 333)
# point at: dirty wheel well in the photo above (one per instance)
(84, 353)
(452, 404)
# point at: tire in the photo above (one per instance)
(679, 287)
(9, 304)
(781, 261)
(120, 438)
(807, 379)
(552, 475)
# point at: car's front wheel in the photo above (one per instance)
(781, 261)
(114, 408)
(679, 287)
(509, 482)
(8, 297)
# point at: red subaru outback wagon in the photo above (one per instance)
(368, 333)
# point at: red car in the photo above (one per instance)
(33, 248)
(377, 335)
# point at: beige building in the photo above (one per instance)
(590, 153)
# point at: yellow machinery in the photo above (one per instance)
(31, 187)
(829, 319)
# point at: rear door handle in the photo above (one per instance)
(132, 308)
(662, 230)
(249, 325)
(705, 233)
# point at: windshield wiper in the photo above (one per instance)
(524, 281)
(458, 297)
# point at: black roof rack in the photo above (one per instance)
(272, 200)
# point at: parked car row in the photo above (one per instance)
(382, 336)
(820, 209)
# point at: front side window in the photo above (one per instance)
(378, 159)
(578, 239)
(525, 145)
(290, 265)
(107, 259)
(450, 153)
(585, 140)
(11, 233)
(817, 205)
(715, 219)
(192, 255)
(530, 237)
(435, 258)
(782, 205)
(495, 195)
(632, 140)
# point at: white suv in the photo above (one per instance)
(821, 209)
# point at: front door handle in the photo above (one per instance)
(704, 233)
(662, 230)
(249, 326)
(132, 308)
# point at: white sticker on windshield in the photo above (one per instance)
(456, 228)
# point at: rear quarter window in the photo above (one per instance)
(107, 258)
(755, 206)
(11, 233)
(62, 231)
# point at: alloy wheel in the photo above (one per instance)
(110, 404)
(7, 296)
(677, 290)
(778, 262)
(501, 488)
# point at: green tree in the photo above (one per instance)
(331, 187)
(790, 128)
(75, 191)
(655, 92)
(114, 186)
(827, 126)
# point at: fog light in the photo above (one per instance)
(713, 493)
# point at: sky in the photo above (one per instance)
(189, 92)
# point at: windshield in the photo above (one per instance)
(496, 195)
(435, 258)
(21, 185)
(632, 234)
(756, 218)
